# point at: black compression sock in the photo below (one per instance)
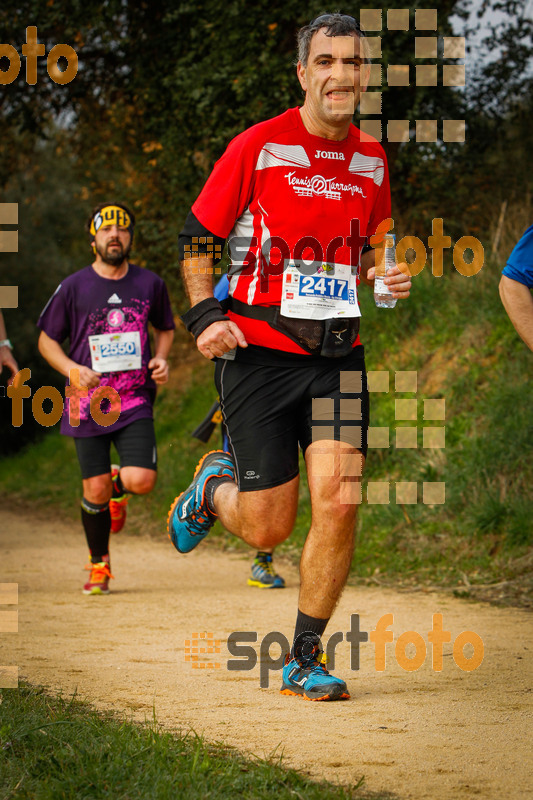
(96, 521)
(211, 486)
(305, 624)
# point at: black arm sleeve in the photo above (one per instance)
(202, 315)
(195, 240)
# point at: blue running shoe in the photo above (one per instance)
(304, 673)
(189, 519)
(264, 575)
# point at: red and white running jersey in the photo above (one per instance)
(280, 193)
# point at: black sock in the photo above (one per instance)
(306, 624)
(118, 487)
(263, 554)
(96, 520)
(211, 486)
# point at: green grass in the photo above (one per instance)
(53, 748)
(454, 332)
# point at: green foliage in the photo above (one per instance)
(53, 747)
(51, 243)
(458, 338)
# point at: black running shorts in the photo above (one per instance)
(274, 402)
(135, 444)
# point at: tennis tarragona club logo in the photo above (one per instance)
(428, 72)
(341, 419)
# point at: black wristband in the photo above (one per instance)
(202, 315)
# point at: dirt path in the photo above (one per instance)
(422, 734)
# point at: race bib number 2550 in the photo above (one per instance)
(115, 352)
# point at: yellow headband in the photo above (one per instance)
(108, 216)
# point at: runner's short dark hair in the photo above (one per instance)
(335, 24)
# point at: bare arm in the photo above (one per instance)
(158, 364)
(52, 352)
(219, 337)
(198, 277)
(163, 343)
(518, 302)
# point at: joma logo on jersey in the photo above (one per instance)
(330, 154)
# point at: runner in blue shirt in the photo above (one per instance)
(515, 287)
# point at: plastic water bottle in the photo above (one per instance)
(382, 293)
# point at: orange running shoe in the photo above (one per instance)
(117, 505)
(98, 582)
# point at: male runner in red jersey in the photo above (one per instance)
(296, 196)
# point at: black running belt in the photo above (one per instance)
(264, 313)
(331, 337)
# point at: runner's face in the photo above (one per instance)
(112, 244)
(332, 78)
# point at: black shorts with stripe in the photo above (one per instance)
(273, 403)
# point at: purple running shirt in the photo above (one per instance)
(84, 305)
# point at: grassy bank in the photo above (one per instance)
(52, 747)
(454, 334)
